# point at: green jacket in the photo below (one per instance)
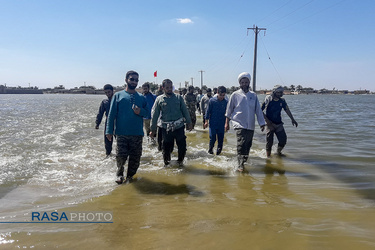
(170, 109)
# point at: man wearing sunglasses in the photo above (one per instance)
(125, 120)
(273, 104)
(173, 115)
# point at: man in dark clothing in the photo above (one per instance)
(105, 105)
(273, 104)
(173, 114)
(215, 119)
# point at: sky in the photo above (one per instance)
(313, 43)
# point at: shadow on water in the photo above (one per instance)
(361, 182)
(200, 171)
(147, 186)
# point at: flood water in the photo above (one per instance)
(320, 196)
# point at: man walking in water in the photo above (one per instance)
(173, 113)
(150, 97)
(191, 103)
(242, 107)
(273, 104)
(215, 118)
(125, 120)
(105, 105)
(204, 104)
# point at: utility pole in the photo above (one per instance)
(201, 71)
(192, 81)
(256, 31)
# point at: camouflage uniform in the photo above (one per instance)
(191, 104)
(128, 146)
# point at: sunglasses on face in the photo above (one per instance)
(133, 79)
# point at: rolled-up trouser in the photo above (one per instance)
(168, 143)
(280, 134)
(128, 146)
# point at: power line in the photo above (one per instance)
(290, 13)
(269, 57)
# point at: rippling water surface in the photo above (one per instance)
(320, 196)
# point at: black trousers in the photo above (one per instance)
(168, 143)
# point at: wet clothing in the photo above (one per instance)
(244, 143)
(104, 107)
(128, 146)
(191, 103)
(168, 143)
(273, 113)
(216, 115)
(121, 119)
(280, 134)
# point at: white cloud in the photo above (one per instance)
(184, 20)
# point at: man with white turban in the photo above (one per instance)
(273, 104)
(242, 107)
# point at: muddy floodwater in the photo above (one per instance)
(320, 196)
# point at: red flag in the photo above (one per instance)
(155, 73)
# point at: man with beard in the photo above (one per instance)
(105, 105)
(273, 104)
(173, 114)
(242, 107)
(125, 120)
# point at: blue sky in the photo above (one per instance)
(313, 43)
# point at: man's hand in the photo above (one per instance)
(294, 123)
(205, 125)
(152, 134)
(136, 109)
(262, 128)
(189, 126)
(109, 137)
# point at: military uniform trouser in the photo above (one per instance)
(244, 143)
(280, 134)
(128, 146)
(168, 143)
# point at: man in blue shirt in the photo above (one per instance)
(104, 109)
(125, 120)
(215, 119)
